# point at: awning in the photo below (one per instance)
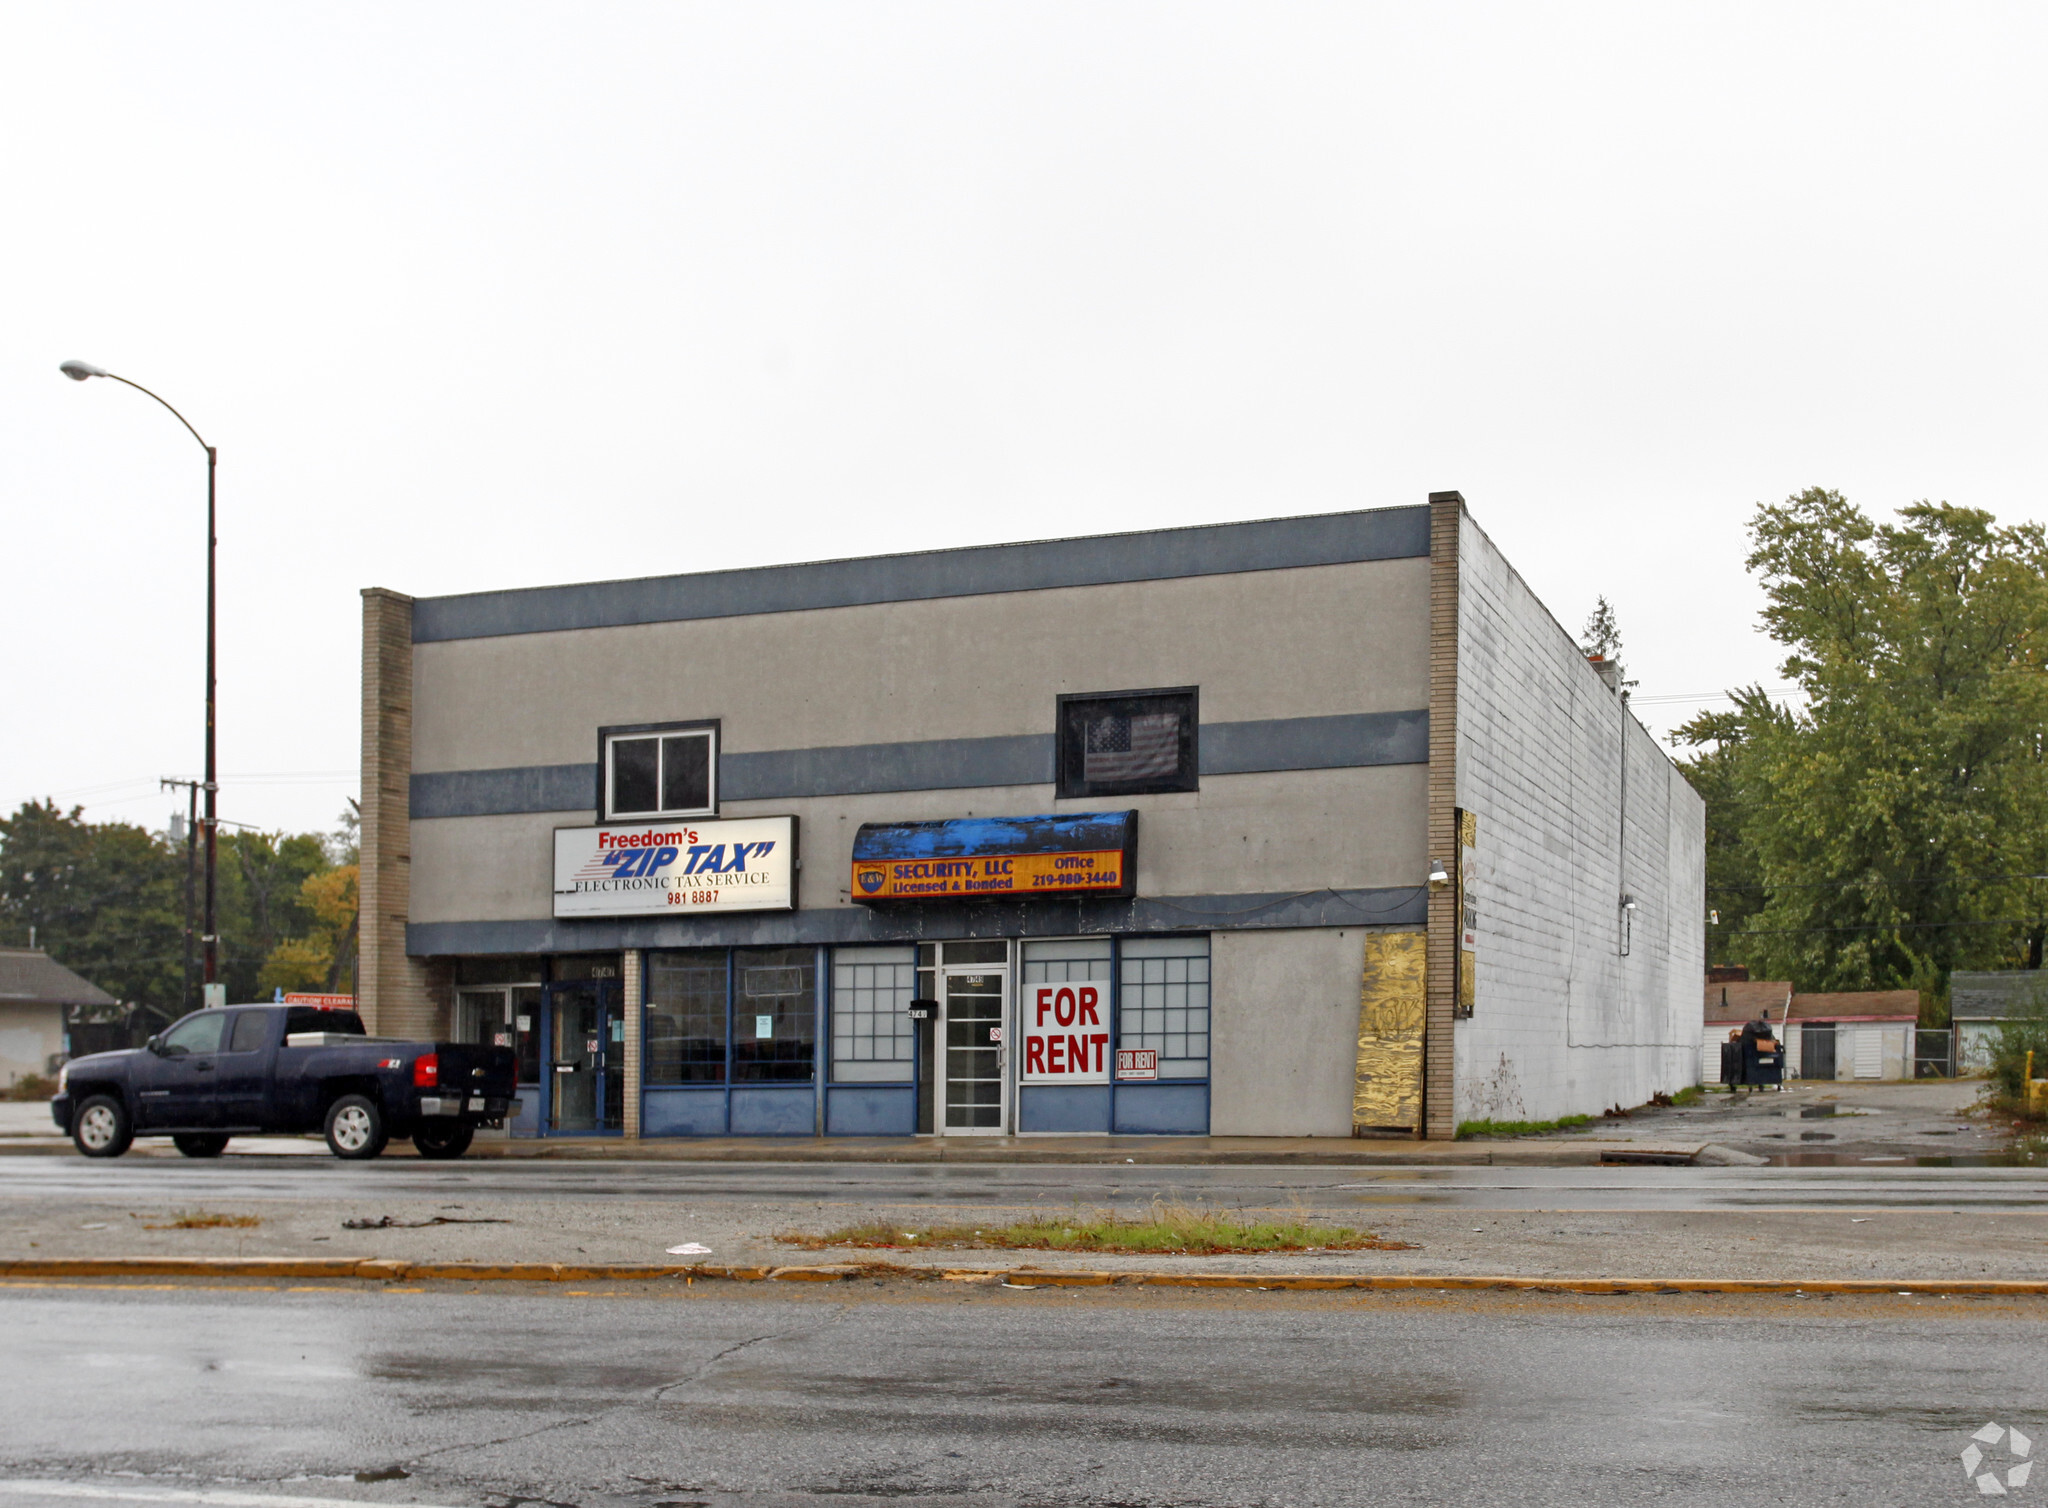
(979, 858)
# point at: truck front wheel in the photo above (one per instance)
(100, 1127)
(443, 1139)
(355, 1128)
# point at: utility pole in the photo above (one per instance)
(191, 789)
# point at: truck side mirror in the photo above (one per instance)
(154, 1045)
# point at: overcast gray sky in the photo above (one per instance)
(474, 296)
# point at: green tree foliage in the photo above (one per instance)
(107, 900)
(1881, 836)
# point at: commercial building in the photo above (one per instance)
(1310, 826)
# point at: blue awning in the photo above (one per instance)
(974, 837)
(989, 858)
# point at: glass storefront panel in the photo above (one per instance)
(685, 1026)
(775, 1015)
(873, 1037)
(1163, 1002)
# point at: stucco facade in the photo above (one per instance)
(1351, 686)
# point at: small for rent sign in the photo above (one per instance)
(1066, 1032)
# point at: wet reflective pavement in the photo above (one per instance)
(925, 1394)
(479, 1184)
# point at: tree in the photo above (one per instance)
(1888, 828)
(1601, 640)
(323, 959)
(106, 900)
(1602, 635)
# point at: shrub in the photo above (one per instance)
(32, 1086)
(2023, 1032)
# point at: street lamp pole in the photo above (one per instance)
(209, 937)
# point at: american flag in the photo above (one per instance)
(1140, 747)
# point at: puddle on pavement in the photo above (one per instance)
(384, 1474)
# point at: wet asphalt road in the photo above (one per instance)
(478, 1184)
(921, 1394)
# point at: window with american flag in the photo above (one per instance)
(1127, 743)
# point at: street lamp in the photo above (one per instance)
(209, 939)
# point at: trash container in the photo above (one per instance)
(1731, 1064)
(1763, 1062)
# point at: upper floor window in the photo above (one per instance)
(1127, 743)
(669, 771)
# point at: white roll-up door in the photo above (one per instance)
(1869, 1052)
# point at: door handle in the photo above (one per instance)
(202, 1068)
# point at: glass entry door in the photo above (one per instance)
(972, 1082)
(586, 1058)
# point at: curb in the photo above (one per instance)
(338, 1268)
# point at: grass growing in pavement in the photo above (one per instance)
(1690, 1095)
(1521, 1128)
(205, 1220)
(1165, 1229)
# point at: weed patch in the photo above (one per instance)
(207, 1220)
(1164, 1230)
(1521, 1128)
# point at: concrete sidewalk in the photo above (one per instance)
(1824, 1121)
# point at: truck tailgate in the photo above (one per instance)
(470, 1068)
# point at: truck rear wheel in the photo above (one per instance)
(443, 1139)
(101, 1128)
(200, 1143)
(355, 1128)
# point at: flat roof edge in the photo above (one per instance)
(966, 571)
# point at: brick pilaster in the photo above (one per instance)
(1439, 1088)
(399, 996)
(630, 993)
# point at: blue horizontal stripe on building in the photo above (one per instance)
(1346, 741)
(1041, 916)
(1156, 555)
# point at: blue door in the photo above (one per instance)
(586, 1062)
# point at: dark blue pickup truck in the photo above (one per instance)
(248, 1070)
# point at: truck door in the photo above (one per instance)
(177, 1086)
(243, 1085)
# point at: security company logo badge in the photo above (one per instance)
(1997, 1478)
(870, 879)
(676, 868)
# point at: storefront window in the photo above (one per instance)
(504, 1017)
(1163, 1002)
(775, 1015)
(1128, 743)
(1065, 962)
(873, 1038)
(685, 1023)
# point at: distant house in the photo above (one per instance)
(34, 991)
(1980, 1003)
(1861, 1034)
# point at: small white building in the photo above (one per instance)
(1979, 1005)
(1860, 1034)
(34, 991)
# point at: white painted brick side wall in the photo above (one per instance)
(1563, 1024)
